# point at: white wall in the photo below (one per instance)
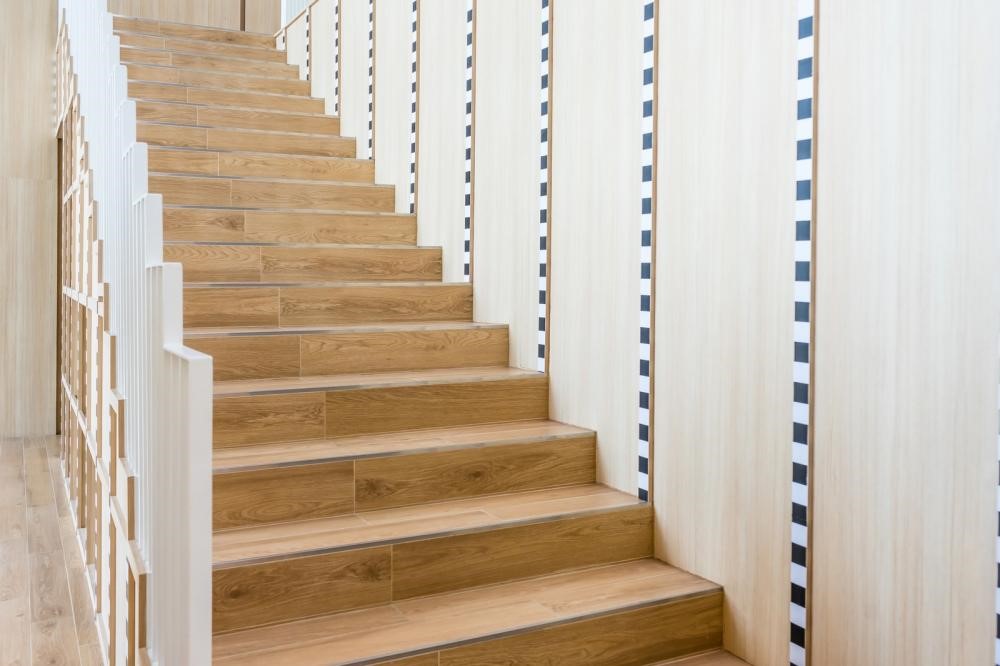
(393, 41)
(354, 73)
(724, 295)
(506, 203)
(595, 174)
(908, 229)
(441, 128)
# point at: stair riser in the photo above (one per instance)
(255, 165)
(167, 29)
(210, 63)
(163, 92)
(244, 140)
(279, 227)
(326, 306)
(219, 81)
(241, 263)
(251, 595)
(239, 193)
(268, 418)
(194, 47)
(248, 119)
(264, 356)
(284, 494)
(632, 638)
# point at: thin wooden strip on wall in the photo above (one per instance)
(371, 79)
(544, 179)
(470, 132)
(414, 91)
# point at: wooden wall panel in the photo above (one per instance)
(354, 73)
(263, 16)
(218, 13)
(724, 294)
(905, 472)
(441, 162)
(27, 220)
(393, 41)
(596, 144)
(506, 202)
(321, 59)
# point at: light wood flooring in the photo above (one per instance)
(46, 614)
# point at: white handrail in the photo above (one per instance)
(166, 386)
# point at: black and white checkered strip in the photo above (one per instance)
(802, 332)
(336, 57)
(413, 107)
(996, 643)
(371, 77)
(469, 27)
(307, 69)
(543, 199)
(646, 242)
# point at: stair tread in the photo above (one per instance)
(277, 454)
(210, 89)
(346, 382)
(272, 180)
(232, 107)
(713, 658)
(428, 623)
(216, 331)
(262, 543)
(311, 246)
(190, 68)
(320, 284)
(250, 130)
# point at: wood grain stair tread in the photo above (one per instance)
(208, 90)
(281, 114)
(187, 45)
(164, 28)
(279, 454)
(236, 163)
(289, 75)
(217, 331)
(277, 541)
(455, 619)
(713, 658)
(196, 58)
(347, 382)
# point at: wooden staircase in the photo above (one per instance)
(386, 488)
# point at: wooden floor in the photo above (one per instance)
(46, 615)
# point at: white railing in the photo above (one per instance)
(166, 387)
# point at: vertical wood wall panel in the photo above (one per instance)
(27, 220)
(354, 70)
(263, 16)
(905, 468)
(321, 60)
(594, 349)
(724, 295)
(506, 202)
(393, 40)
(441, 162)
(218, 13)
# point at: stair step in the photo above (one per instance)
(219, 80)
(713, 658)
(210, 138)
(173, 92)
(290, 481)
(212, 304)
(201, 47)
(184, 113)
(239, 164)
(615, 615)
(267, 410)
(287, 226)
(216, 63)
(248, 262)
(274, 352)
(272, 193)
(188, 31)
(336, 564)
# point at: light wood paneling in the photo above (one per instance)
(392, 97)
(262, 16)
(217, 13)
(905, 438)
(28, 197)
(506, 203)
(354, 72)
(594, 351)
(723, 374)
